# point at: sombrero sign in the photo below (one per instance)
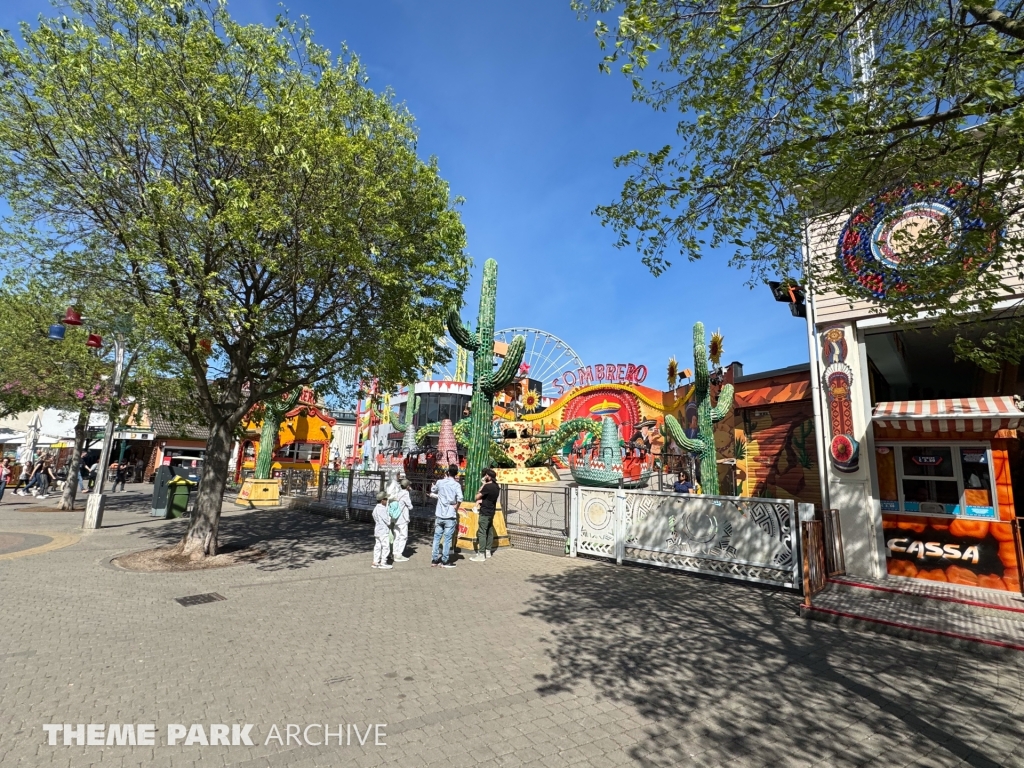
(612, 373)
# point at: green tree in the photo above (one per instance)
(264, 207)
(793, 110)
(38, 373)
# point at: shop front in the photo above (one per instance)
(920, 447)
(944, 489)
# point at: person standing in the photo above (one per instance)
(46, 477)
(448, 493)
(404, 501)
(381, 533)
(83, 473)
(683, 484)
(120, 475)
(5, 475)
(140, 470)
(487, 499)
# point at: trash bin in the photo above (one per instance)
(178, 491)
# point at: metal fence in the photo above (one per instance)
(813, 546)
(537, 517)
(729, 536)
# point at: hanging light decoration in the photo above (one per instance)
(56, 332)
(94, 341)
(72, 317)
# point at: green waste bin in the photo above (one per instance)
(178, 491)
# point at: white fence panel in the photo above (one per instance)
(752, 539)
(596, 522)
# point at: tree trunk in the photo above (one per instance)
(67, 500)
(200, 539)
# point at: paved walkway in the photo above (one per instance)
(524, 660)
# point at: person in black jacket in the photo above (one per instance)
(487, 501)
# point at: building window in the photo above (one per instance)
(935, 479)
(299, 452)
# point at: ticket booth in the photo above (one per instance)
(945, 491)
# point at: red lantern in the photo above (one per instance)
(94, 341)
(72, 317)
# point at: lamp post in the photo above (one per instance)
(93, 517)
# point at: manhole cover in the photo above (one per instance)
(190, 600)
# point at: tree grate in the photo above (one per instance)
(190, 600)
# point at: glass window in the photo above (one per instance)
(928, 461)
(977, 477)
(431, 407)
(299, 452)
(939, 491)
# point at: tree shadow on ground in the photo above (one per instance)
(291, 539)
(728, 674)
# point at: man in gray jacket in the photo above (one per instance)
(448, 493)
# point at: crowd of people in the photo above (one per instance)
(394, 506)
(36, 478)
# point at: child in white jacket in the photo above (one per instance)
(382, 533)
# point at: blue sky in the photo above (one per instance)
(509, 98)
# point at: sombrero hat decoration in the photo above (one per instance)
(646, 423)
(605, 408)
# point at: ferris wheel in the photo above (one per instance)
(546, 357)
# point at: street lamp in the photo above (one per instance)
(118, 329)
(93, 517)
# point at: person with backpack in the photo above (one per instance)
(381, 533)
(400, 508)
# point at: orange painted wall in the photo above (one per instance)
(1004, 488)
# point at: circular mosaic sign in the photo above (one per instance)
(878, 237)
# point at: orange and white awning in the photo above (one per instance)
(958, 414)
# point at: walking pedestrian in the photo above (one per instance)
(487, 499)
(5, 475)
(34, 479)
(120, 475)
(22, 485)
(381, 533)
(46, 477)
(448, 493)
(83, 473)
(404, 501)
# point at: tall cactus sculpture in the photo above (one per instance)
(486, 380)
(409, 438)
(273, 415)
(704, 444)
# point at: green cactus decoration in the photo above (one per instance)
(707, 415)
(273, 415)
(486, 381)
(566, 433)
(409, 438)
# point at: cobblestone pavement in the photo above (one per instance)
(524, 660)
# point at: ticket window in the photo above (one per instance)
(936, 479)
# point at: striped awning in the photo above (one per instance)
(959, 414)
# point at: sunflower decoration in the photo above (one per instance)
(673, 372)
(715, 348)
(530, 401)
